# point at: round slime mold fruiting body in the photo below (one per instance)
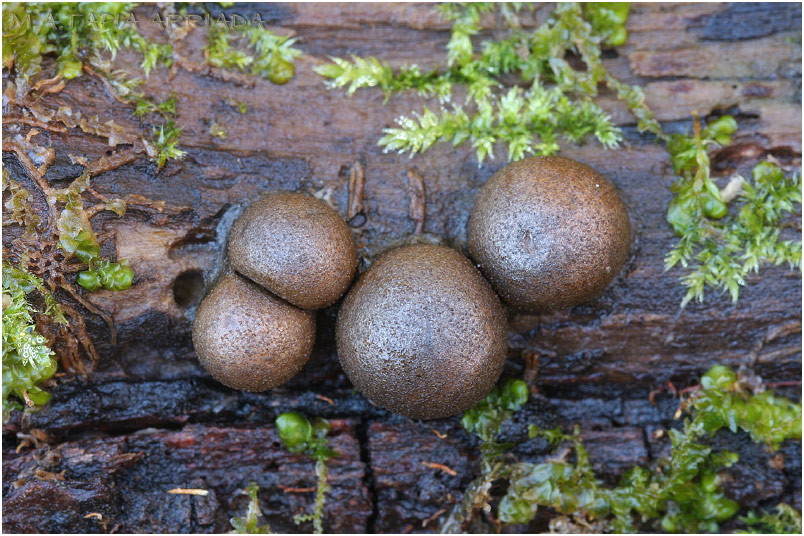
(422, 333)
(249, 339)
(548, 233)
(296, 246)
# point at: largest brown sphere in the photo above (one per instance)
(548, 233)
(296, 246)
(422, 333)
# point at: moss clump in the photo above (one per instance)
(269, 55)
(485, 419)
(27, 359)
(718, 246)
(680, 493)
(74, 30)
(554, 98)
(784, 520)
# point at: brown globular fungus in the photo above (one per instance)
(421, 333)
(249, 339)
(548, 233)
(297, 247)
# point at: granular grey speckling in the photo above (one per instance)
(297, 247)
(249, 339)
(549, 233)
(422, 333)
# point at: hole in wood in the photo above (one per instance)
(188, 288)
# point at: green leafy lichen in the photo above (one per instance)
(27, 359)
(720, 247)
(300, 435)
(552, 99)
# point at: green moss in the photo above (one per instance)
(165, 143)
(27, 359)
(720, 247)
(556, 100)
(269, 55)
(74, 30)
(77, 238)
(300, 435)
(165, 108)
(17, 200)
(78, 32)
(248, 523)
(484, 419)
(785, 520)
(679, 493)
(724, 402)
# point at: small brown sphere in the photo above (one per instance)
(296, 246)
(548, 233)
(422, 333)
(248, 338)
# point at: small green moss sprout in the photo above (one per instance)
(165, 143)
(248, 523)
(269, 55)
(484, 419)
(300, 435)
(784, 520)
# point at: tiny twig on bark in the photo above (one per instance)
(441, 466)
(30, 121)
(326, 399)
(439, 435)
(189, 491)
(433, 517)
(296, 490)
(356, 183)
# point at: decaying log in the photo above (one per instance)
(127, 479)
(149, 419)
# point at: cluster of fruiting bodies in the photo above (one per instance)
(423, 331)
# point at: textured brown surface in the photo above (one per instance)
(421, 333)
(596, 362)
(126, 479)
(249, 339)
(549, 233)
(296, 246)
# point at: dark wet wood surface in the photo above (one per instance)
(149, 418)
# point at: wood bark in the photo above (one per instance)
(149, 418)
